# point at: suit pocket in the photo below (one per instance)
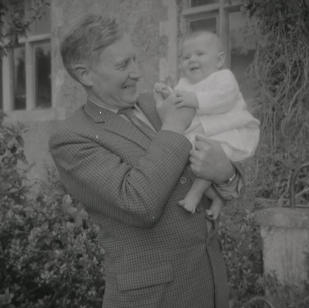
(144, 287)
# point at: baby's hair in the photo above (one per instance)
(206, 33)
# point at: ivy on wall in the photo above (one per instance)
(15, 20)
(280, 71)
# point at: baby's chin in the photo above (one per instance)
(196, 78)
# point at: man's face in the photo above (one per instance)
(115, 75)
(199, 57)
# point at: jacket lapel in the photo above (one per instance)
(147, 104)
(126, 129)
(114, 123)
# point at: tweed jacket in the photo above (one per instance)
(157, 254)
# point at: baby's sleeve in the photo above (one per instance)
(220, 94)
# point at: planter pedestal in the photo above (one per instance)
(285, 234)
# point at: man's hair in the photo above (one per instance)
(194, 34)
(87, 39)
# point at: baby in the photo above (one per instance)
(221, 112)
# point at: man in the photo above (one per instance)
(130, 169)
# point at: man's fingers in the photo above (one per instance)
(202, 138)
(193, 160)
(203, 143)
(196, 155)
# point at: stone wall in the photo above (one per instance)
(141, 19)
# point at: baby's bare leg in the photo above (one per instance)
(194, 195)
(216, 205)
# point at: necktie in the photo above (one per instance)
(145, 129)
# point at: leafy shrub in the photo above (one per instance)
(49, 255)
(242, 251)
(287, 296)
(11, 158)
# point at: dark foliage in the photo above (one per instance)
(49, 255)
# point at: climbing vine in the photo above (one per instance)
(16, 19)
(280, 71)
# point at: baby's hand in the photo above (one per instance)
(189, 99)
(163, 90)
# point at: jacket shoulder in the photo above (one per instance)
(63, 129)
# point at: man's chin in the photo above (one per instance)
(131, 99)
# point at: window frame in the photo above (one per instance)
(31, 111)
(221, 11)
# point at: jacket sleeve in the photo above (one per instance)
(106, 184)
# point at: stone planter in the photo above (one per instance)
(285, 234)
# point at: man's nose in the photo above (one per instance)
(134, 71)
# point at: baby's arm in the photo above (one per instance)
(219, 95)
(189, 99)
(163, 94)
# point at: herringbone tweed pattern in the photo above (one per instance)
(157, 254)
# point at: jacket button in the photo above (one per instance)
(183, 180)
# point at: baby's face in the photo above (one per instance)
(200, 57)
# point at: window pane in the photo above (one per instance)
(209, 24)
(202, 2)
(1, 91)
(19, 78)
(242, 49)
(42, 64)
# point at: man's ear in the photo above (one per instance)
(83, 74)
(220, 60)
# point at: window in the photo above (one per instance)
(201, 2)
(224, 18)
(1, 91)
(26, 70)
(242, 50)
(207, 23)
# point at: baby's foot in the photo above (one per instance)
(189, 203)
(215, 209)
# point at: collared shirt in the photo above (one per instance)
(137, 112)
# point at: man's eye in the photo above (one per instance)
(123, 65)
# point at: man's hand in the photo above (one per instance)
(173, 118)
(189, 99)
(208, 161)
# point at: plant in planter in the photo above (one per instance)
(280, 72)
